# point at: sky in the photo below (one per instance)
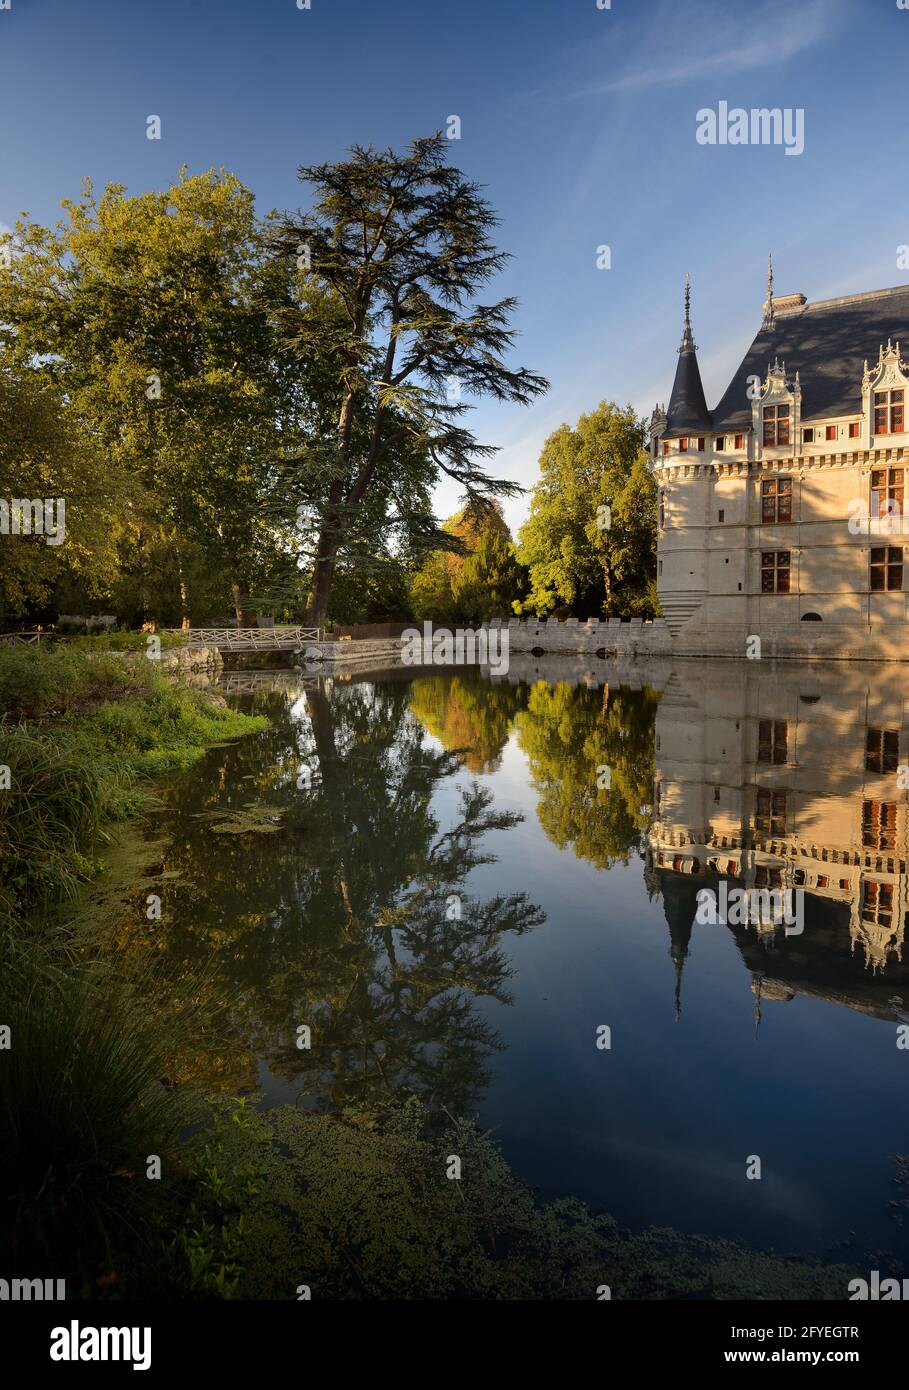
(580, 122)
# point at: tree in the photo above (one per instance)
(45, 456)
(401, 243)
(480, 579)
(590, 540)
(152, 314)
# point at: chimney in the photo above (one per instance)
(784, 304)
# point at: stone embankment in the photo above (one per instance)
(611, 637)
(180, 660)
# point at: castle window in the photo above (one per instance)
(888, 412)
(886, 492)
(808, 436)
(775, 572)
(886, 568)
(877, 903)
(721, 516)
(662, 510)
(830, 432)
(702, 444)
(665, 446)
(770, 815)
(720, 443)
(854, 429)
(776, 424)
(776, 500)
(740, 441)
(773, 740)
(683, 446)
(882, 750)
(765, 877)
(822, 881)
(879, 825)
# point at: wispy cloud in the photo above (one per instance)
(686, 43)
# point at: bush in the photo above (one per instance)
(109, 641)
(39, 681)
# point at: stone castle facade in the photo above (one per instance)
(781, 511)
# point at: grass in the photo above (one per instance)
(85, 1099)
(83, 738)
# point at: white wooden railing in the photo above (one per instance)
(248, 639)
(15, 639)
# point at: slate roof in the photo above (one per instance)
(687, 412)
(826, 343)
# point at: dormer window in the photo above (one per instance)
(776, 425)
(888, 412)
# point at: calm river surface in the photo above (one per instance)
(454, 882)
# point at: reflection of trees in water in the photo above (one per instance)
(347, 918)
(567, 733)
(468, 714)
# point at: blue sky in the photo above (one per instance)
(580, 122)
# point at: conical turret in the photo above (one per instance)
(687, 413)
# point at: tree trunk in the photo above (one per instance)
(320, 589)
(185, 621)
(246, 616)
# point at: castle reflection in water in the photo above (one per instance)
(789, 776)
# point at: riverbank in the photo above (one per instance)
(86, 735)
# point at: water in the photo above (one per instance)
(464, 895)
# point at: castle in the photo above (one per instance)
(781, 510)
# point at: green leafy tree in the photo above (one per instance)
(400, 244)
(45, 455)
(590, 540)
(480, 579)
(152, 314)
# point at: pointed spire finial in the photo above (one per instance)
(688, 343)
(769, 305)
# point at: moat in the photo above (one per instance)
(429, 870)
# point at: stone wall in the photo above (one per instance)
(177, 660)
(612, 635)
(601, 637)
